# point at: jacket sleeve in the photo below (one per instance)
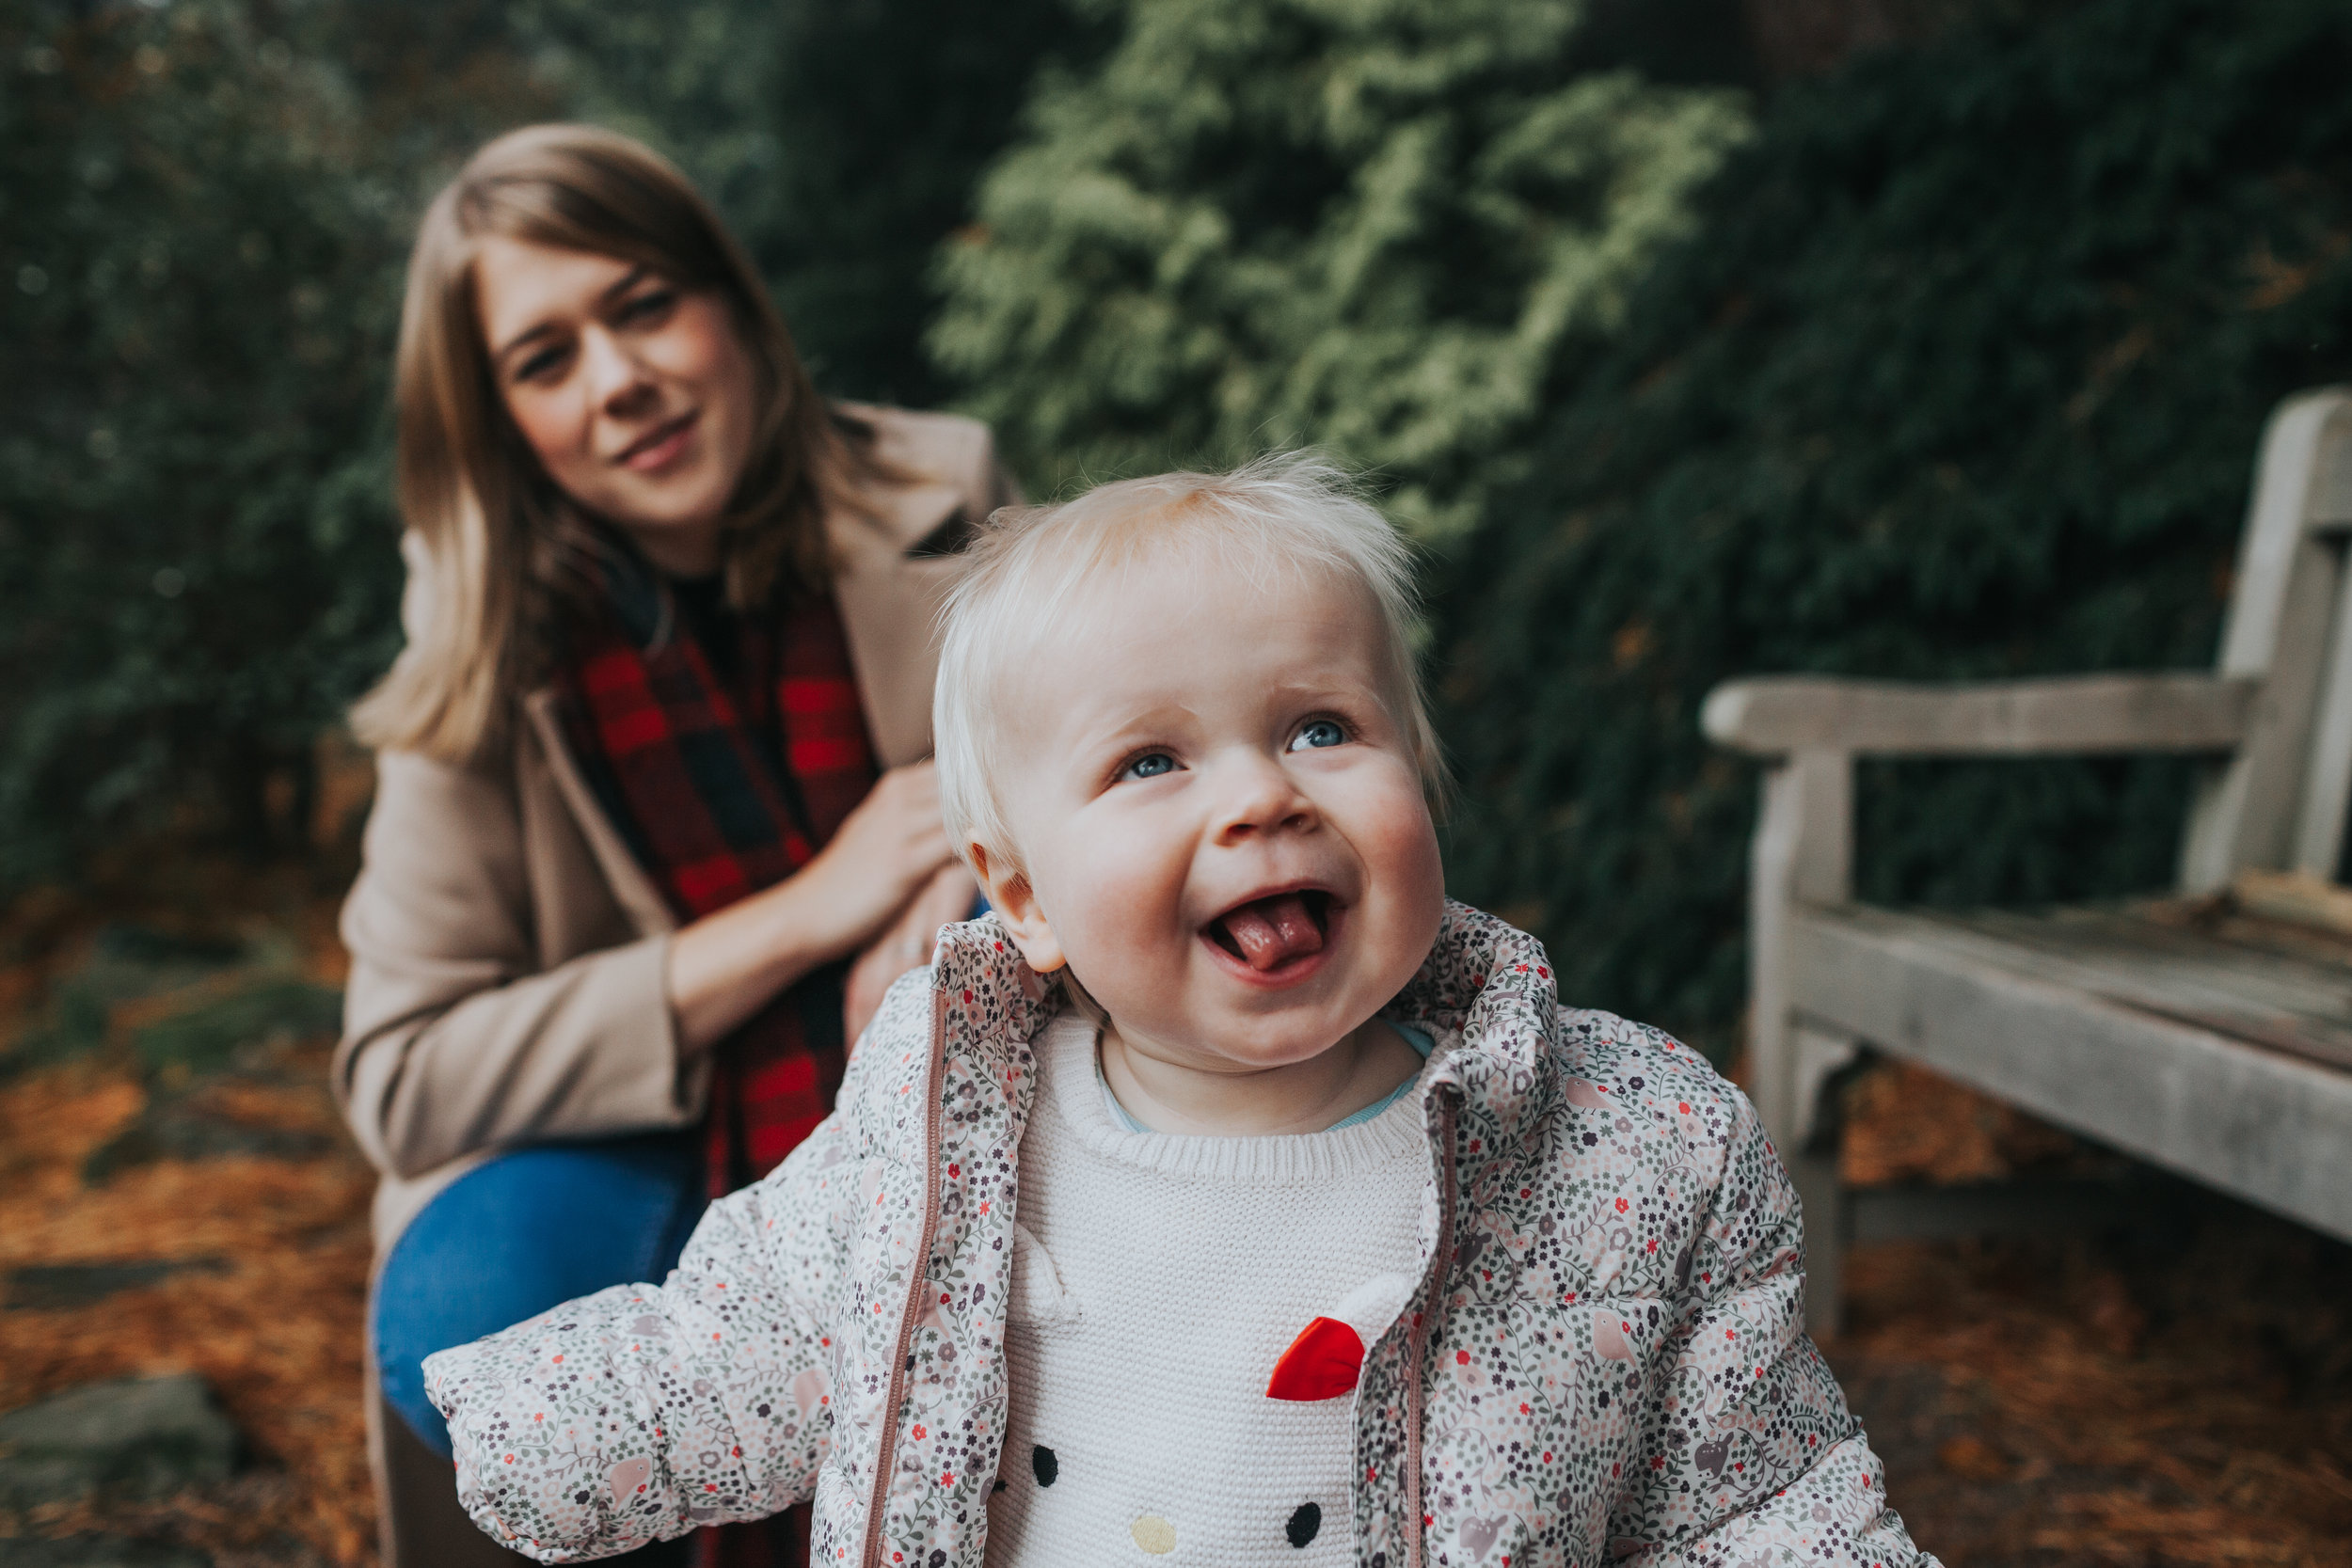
(1749, 1451)
(454, 1040)
(644, 1411)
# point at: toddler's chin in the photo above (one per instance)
(1282, 1036)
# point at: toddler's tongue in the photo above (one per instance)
(1274, 930)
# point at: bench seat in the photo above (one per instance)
(2223, 1055)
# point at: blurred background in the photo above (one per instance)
(1690, 338)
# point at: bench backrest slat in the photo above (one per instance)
(2280, 801)
(2318, 846)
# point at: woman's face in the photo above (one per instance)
(635, 394)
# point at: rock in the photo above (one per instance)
(175, 1127)
(97, 1551)
(53, 1287)
(210, 1038)
(144, 1437)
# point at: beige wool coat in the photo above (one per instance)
(508, 953)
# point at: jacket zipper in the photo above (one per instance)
(886, 1457)
(1422, 1331)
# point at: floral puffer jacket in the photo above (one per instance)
(1602, 1358)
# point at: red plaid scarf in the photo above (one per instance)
(724, 786)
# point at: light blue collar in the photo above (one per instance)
(1418, 1039)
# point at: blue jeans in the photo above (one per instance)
(519, 1234)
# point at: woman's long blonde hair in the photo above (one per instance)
(488, 526)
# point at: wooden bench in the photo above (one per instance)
(2211, 1034)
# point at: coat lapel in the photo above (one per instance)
(633, 889)
(1484, 978)
(1486, 1101)
(889, 602)
(1494, 983)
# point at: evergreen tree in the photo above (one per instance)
(1961, 374)
(197, 286)
(1374, 225)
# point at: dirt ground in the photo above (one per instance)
(174, 1195)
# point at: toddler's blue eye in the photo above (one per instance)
(1150, 765)
(1317, 734)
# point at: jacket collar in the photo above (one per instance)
(1483, 977)
(1494, 983)
(1489, 1100)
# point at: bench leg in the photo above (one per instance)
(1803, 853)
(1828, 1233)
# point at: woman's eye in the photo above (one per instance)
(539, 365)
(642, 308)
(1317, 733)
(1151, 765)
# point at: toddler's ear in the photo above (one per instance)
(1015, 903)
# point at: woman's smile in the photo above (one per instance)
(660, 447)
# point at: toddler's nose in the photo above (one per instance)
(1258, 797)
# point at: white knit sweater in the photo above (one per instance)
(1158, 1280)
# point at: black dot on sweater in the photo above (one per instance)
(1042, 1460)
(1304, 1524)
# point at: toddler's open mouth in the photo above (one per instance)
(1281, 928)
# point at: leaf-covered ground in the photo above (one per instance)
(177, 1193)
(2064, 1403)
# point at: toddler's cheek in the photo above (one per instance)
(1403, 859)
(1124, 941)
(1407, 909)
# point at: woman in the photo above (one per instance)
(653, 826)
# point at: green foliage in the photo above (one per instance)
(194, 539)
(1962, 375)
(1374, 225)
(205, 208)
(208, 1037)
(128, 964)
(877, 178)
(841, 138)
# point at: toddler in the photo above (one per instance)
(1226, 1195)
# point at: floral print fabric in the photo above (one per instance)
(1603, 1359)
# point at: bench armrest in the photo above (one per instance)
(1776, 715)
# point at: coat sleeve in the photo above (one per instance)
(455, 1039)
(1749, 1451)
(644, 1411)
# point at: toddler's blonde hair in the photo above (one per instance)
(1284, 513)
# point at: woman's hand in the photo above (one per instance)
(890, 847)
(726, 966)
(905, 943)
